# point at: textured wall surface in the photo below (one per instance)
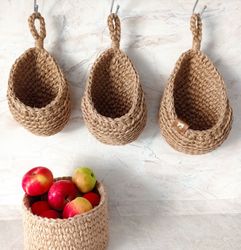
(159, 199)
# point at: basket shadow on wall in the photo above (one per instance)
(229, 76)
(151, 77)
(74, 72)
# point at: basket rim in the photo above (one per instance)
(100, 187)
(12, 94)
(87, 94)
(172, 78)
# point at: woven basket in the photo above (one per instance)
(88, 231)
(195, 115)
(38, 94)
(113, 105)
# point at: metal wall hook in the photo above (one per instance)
(195, 5)
(35, 7)
(112, 5)
(204, 8)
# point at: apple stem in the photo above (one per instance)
(67, 199)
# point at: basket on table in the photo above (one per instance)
(113, 105)
(88, 231)
(38, 93)
(195, 116)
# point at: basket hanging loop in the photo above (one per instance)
(115, 30)
(196, 28)
(38, 36)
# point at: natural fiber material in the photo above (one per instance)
(195, 115)
(38, 94)
(88, 231)
(113, 105)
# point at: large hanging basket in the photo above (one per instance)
(38, 93)
(195, 115)
(113, 105)
(88, 231)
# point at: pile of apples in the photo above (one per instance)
(61, 198)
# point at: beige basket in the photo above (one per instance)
(38, 93)
(88, 231)
(113, 105)
(195, 115)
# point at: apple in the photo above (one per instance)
(84, 179)
(79, 205)
(39, 207)
(93, 198)
(51, 214)
(60, 193)
(37, 181)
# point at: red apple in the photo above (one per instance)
(60, 193)
(79, 205)
(39, 207)
(93, 198)
(51, 214)
(37, 181)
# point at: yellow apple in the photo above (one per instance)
(77, 206)
(84, 178)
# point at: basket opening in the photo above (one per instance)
(112, 87)
(35, 84)
(198, 93)
(29, 200)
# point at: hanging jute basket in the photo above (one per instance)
(113, 105)
(89, 231)
(195, 115)
(38, 93)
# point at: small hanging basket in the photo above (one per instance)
(38, 93)
(88, 231)
(113, 105)
(195, 115)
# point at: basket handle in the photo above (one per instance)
(196, 28)
(38, 36)
(115, 30)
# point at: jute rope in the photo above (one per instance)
(115, 30)
(113, 105)
(38, 93)
(195, 115)
(88, 231)
(196, 28)
(39, 37)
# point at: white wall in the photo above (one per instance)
(147, 180)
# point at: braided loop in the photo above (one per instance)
(115, 30)
(196, 28)
(38, 36)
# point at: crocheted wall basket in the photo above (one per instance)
(113, 105)
(195, 115)
(38, 93)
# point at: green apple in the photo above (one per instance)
(84, 178)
